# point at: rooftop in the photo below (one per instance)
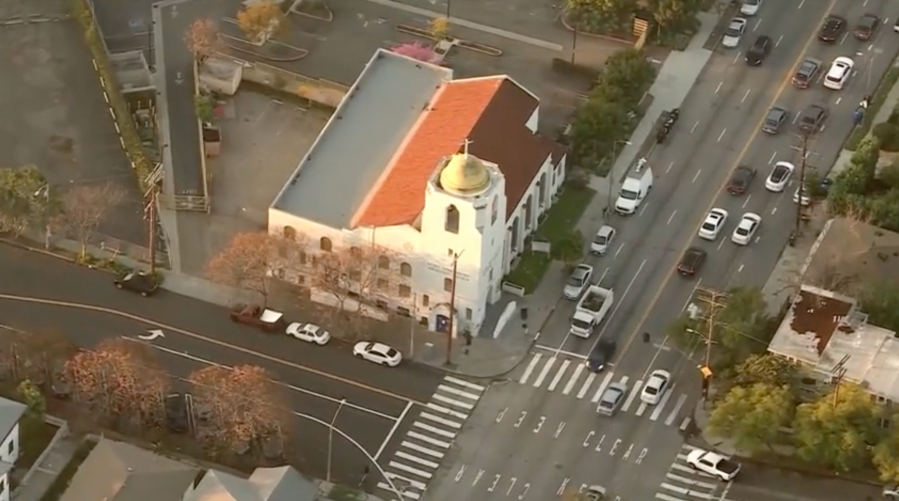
(351, 153)
(10, 413)
(810, 323)
(282, 483)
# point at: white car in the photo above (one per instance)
(714, 464)
(779, 177)
(750, 7)
(378, 353)
(310, 333)
(655, 387)
(713, 223)
(839, 73)
(603, 240)
(734, 32)
(578, 281)
(747, 228)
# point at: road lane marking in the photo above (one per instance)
(559, 375)
(721, 135)
(436, 431)
(444, 410)
(198, 337)
(416, 459)
(695, 177)
(544, 372)
(779, 39)
(680, 403)
(407, 494)
(392, 432)
(757, 23)
(690, 481)
(641, 409)
(659, 495)
(573, 380)
(456, 391)
(462, 382)
(680, 467)
(670, 165)
(691, 131)
(427, 439)
(756, 130)
(408, 481)
(658, 410)
(530, 368)
(686, 492)
(438, 419)
(736, 58)
(671, 216)
(748, 198)
(615, 309)
(602, 387)
(456, 403)
(718, 88)
(632, 396)
(423, 450)
(745, 96)
(586, 387)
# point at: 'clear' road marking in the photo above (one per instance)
(632, 396)
(453, 402)
(690, 481)
(444, 410)
(427, 439)
(416, 459)
(530, 368)
(407, 494)
(466, 384)
(573, 380)
(412, 483)
(436, 431)
(558, 376)
(423, 450)
(438, 419)
(544, 372)
(409, 469)
(456, 391)
(677, 407)
(586, 386)
(658, 410)
(602, 387)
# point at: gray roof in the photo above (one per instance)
(359, 140)
(116, 471)
(265, 484)
(10, 413)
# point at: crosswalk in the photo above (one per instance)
(429, 437)
(569, 376)
(683, 483)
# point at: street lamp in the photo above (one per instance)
(331, 437)
(609, 177)
(45, 191)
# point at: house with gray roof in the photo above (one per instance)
(282, 483)
(117, 471)
(11, 413)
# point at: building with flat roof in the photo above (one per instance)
(444, 177)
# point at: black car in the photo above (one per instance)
(832, 29)
(691, 262)
(776, 117)
(813, 118)
(138, 281)
(176, 413)
(759, 50)
(739, 181)
(806, 72)
(600, 356)
(867, 26)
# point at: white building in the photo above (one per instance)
(433, 169)
(11, 413)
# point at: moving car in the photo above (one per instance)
(713, 223)
(594, 493)
(734, 32)
(832, 29)
(750, 7)
(713, 464)
(578, 281)
(746, 229)
(378, 353)
(310, 333)
(603, 240)
(740, 179)
(691, 261)
(806, 72)
(259, 317)
(779, 177)
(141, 282)
(759, 50)
(776, 117)
(891, 491)
(867, 26)
(813, 118)
(600, 356)
(611, 399)
(839, 73)
(176, 419)
(655, 387)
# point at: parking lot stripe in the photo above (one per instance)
(453, 402)
(412, 483)
(530, 368)
(408, 494)
(658, 410)
(444, 410)
(544, 372)
(573, 380)
(559, 375)
(416, 459)
(602, 388)
(586, 386)
(632, 396)
(462, 382)
(438, 419)
(436, 431)
(409, 469)
(423, 450)
(427, 439)
(456, 391)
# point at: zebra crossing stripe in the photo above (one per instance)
(602, 388)
(586, 387)
(530, 368)
(573, 380)
(544, 372)
(465, 384)
(558, 376)
(661, 405)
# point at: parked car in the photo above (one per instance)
(750, 7)
(603, 240)
(59, 380)
(378, 353)
(594, 493)
(259, 317)
(310, 333)
(578, 281)
(142, 282)
(734, 32)
(713, 464)
(176, 413)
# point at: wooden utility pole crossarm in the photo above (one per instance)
(714, 301)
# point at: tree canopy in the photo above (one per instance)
(752, 415)
(862, 191)
(880, 300)
(765, 368)
(23, 199)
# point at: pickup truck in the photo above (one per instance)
(259, 317)
(714, 464)
(591, 310)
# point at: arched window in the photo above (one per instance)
(325, 244)
(448, 284)
(452, 220)
(494, 208)
(406, 269)
(383, 262)
(290, 233)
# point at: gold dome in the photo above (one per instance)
(464, 173)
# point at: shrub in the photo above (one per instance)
(888, 134)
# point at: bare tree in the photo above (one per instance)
(84, 207)
(32, 355)
(203, 38)
(120, 379)
(246, 406)
(250, 261)
(260, 20)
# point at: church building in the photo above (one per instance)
(446, 174)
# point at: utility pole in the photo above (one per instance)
(452, 307)
(837, 374)
(714, 301)
(805, 137)
(151, 216)
(577, 27)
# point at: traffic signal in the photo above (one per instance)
(706, 371)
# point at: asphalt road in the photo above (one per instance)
(761, 482)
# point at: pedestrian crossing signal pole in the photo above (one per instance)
(714, 301)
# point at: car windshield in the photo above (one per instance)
(628, 195)
(741, 230)
(392, 353)
(600, 239)
(576, 281)
(606, 403)
(579, 324)
(708, 225)
(779, 173)
(732, 31)
(653, 388)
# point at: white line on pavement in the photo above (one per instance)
(573, 380)
(436, 431)
(690, 481)
(418, 460)
(409, 469)
(462, 382)
(393, 430)
(440, 420)
(658, 410)
(602, 387)
(412, 483)
(632, 396)
(677, 407)
(429, 440)
(586, 386)
(423, 450)
(444, 410)
(530, 368)
(456, 391)
(544, 372)
(453, 402)
(559, 375)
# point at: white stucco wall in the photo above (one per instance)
(9, 449)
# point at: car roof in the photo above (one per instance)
(660, 373)
(378, 346)
(605, 230)
(694, 251)
(581, 270)
(869, 17)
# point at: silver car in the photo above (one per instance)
(611, 399)
(603, 240)
(578, 281)
(734, 32)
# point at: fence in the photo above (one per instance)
(318, 90)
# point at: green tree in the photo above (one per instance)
(880, 300)
(883, 210)
(765, 368)
(842, 198)
(600, 16)
(675, 16)
(753, 415)
(23, 201)
(837, 430)
(686, 332)
(889, 175)
(628, 71)
(865, 159)
(597, 125)
(886, 453)
(34, 399)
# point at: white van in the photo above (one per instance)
(634, 189)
